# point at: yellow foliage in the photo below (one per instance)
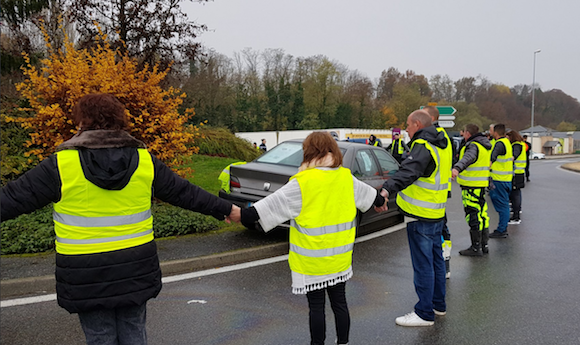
(69, 74)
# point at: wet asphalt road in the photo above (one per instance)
(526, 291)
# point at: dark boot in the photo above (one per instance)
(484, 238)
(475, 249)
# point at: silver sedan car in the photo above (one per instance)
(257, 179)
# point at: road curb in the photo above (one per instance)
(22, 287)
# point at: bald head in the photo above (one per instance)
(433, 112)
(417, 120)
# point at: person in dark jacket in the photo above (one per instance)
(472, 173)
(519, 179)
(101, 183)
(398, 148)
(422, 184)
(528, 149)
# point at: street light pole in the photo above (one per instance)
(533, 97)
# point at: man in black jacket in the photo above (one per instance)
(101, 183)
(398, 148)
(422, 184)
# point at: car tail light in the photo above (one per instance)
(234, 182)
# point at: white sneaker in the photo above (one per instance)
(412, 320)
(439, 313)
(447, 275)
(515, 221)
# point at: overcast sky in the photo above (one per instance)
(460, 38)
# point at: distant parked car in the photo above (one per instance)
(537, 155)
(266, 174)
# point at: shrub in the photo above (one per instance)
(169, 220)
(68, 74)
(221, 142)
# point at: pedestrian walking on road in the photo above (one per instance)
(321, 202)
(422, 184)
(519, 178)
(450, 151)
(472, 174)
(101, 183)
(502, 171)
(263, 146)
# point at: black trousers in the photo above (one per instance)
(316, 300)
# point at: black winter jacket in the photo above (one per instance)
(119, 278)
(420, 163)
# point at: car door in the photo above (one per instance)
(388, 166)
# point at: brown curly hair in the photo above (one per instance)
(317, 145)
(100, 111)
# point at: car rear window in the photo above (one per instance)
(287, 153)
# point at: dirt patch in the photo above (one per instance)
(572, 166)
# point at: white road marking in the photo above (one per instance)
(180, 277)
(200, 301)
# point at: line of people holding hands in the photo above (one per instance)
(102, 180)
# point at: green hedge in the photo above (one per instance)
(34, 232)
(221, 142)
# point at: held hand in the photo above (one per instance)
(235, 215)
(381, 209)
(454, 173)
(384, 193)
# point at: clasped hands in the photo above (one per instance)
(385, 195)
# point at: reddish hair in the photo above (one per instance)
(514, 136)
(100, 111)
(317, 145)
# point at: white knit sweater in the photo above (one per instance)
(286, 204)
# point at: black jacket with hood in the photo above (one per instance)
(471, 152)
(119, 278)
(418, 164)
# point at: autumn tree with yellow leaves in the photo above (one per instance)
(69, 74)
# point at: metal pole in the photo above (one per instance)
(533, 98)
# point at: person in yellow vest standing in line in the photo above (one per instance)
(101, 182)
(449, 151)
(321, 202)
(422, 184)
(472, 173)
(502, 171)
(519, 179)
(224, 176)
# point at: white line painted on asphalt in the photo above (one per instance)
(27, 300)
(180, 277)
(200, 301)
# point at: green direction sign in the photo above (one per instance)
(444, 109)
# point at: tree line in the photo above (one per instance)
(263, 90)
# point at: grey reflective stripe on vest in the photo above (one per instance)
(476, 168)
(503, 160)
(503, 172)
(421, 203)
(91, 222)
(429, 186)
(329, 229)
(520, 161)
(105, 239)
(318, 253)
(474, 178)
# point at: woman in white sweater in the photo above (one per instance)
(321, 202)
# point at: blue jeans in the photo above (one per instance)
(119, 326)
(428, 267)
(500, 197)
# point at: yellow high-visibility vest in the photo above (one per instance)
(449, 152)
(225, 177)
(400, 148)
(477, 174)
(520, 161)
(89, 219)
(427, 196)
(503, 168)
(322, 236)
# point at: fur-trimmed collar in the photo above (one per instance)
(101, 139)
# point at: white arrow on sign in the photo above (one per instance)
(446, 117)
(446, 124)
